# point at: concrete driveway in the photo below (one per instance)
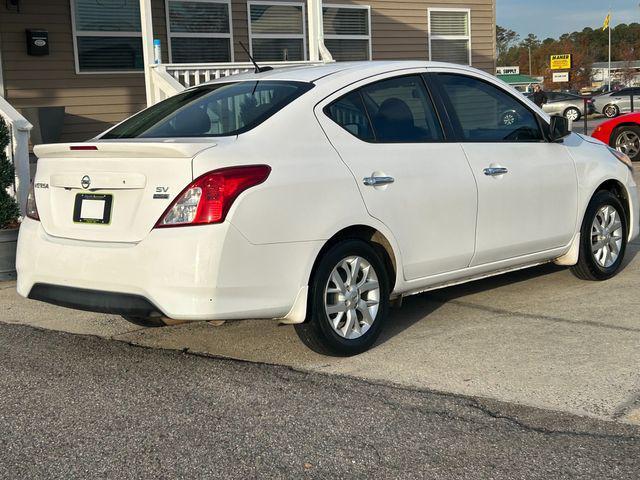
(538, 337)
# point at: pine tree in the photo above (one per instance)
(9, 211)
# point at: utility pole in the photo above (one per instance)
(609, 50)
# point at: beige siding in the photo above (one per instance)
(399, 28)
(92, 102)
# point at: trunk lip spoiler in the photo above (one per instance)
(107, 149)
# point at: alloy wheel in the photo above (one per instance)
(572, 114)
(628, 142)
(610, 111)
(352, 297)
(606, 236)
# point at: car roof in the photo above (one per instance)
(331, 71)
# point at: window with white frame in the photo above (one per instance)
(277, 31)
(347, 31)
(450, 35)
(199, 31)
(107, 35)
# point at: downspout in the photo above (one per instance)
(317, 49)
(1, 76)
(146, 28)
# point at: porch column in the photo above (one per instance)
(146, 24)
(315, 31)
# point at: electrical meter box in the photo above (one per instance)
(37, 42)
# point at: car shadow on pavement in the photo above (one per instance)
(419, 307)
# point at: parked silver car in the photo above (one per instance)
(613, 104)
(566, 104)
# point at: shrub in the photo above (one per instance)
(9, 211)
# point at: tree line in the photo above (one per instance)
(586, 47)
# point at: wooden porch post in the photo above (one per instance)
(146, 23)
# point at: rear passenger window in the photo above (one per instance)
(401, 111)
(350, 114)
(397, 110)
(486, 113)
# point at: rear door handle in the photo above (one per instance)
(495, 171)
(377, 181)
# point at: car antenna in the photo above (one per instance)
(258, 69)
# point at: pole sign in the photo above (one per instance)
(561, 62)
(560, 77)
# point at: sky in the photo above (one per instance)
(552, 18)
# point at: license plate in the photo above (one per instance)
(92, 208)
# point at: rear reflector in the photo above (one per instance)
(208, 199)
(83, 147)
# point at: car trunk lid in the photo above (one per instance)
(111, 191)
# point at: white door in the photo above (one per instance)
(527, 187)
(411, 179)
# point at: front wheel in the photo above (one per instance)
(349, 300)
(603, 238)
(572, 114)
(627, 140)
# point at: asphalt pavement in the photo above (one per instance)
(82, 407)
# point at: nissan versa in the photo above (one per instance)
(316, 196)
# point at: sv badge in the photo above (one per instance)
(162, 193)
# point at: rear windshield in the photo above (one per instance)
(211, 110)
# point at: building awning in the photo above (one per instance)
(514, 79)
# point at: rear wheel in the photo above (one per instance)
(611, 111)
(572, 113)
(626, 139)
(603, 238)
(349, 300)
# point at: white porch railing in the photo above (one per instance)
(169, 79)
(18, 150)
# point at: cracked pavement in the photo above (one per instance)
(77, 406)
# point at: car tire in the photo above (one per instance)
(573, 114)
(626, 139)
(602, 227)
(346, 313)
(611, 111)
(149, 322)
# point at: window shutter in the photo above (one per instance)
(449, 23)
(276, 19)
(107, 15)
(345, 21)
(453, 51)
(198, 17)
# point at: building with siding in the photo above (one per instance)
(93, 70)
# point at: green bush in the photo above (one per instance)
(9, 211)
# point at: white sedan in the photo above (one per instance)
(317, 196)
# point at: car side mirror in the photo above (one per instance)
(558, 128)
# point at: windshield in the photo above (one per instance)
(211, 110)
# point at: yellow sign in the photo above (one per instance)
(561, 62)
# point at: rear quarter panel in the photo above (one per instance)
(309, 195)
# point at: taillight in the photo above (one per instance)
(208, 198)
(32, 208)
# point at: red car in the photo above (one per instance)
(621, 133)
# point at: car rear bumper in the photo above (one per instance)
(94, 300)
(190, 273)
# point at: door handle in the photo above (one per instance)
(377, 181)
(495, 171)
